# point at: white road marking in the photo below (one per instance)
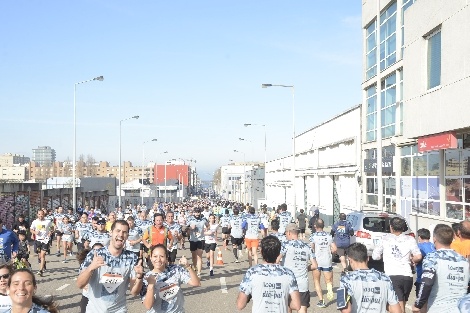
(63, 287)
(223, 285)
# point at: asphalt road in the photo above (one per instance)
(217, 294)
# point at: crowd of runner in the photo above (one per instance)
(136, 249)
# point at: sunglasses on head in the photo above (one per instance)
(5, 276)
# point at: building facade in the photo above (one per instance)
(44, 155)
(9, 159)
(242, 182)
(327, 167)
(415, 117)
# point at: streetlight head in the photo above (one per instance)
(241, 139)
(136, 117)
(154, 140)
(266, 85)
(99, 78)
(246, 124)
(165, 152)
(235, 150)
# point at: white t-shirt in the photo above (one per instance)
(270, 285)
(296, 256)
(322, 241)
(5, 303)
(43, 227)
(396, 252)
(210, 238)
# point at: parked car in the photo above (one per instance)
(371, 225)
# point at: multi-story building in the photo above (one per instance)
(415, 119)
(15, 174)
(9, 159)
(242, 182)
(44, 155)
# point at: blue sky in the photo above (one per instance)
(192, 71)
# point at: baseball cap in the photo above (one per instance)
(292, 226)
(101, 221)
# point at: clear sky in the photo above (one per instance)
(192, 71)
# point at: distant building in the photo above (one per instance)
(44, 155)
(13, 174)
(9, 159)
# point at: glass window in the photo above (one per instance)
(433, 164)
(454, 210)
(372, 185)
(372, 199)
(389, 187)
(388, 30)
(406, 166)
(420, 165)
(453, 163)
(388, 105)
(465, 162)
(466, 186)
(371, 116)
(371, 50)
(454, 190)
(434, 60)
(406, 5)
(406, 150)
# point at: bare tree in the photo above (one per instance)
(91, 168)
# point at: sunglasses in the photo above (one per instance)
(5, 276)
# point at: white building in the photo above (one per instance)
(415, 118)
(328, 159)
(242, 182)
(13, 173)
(9, 159)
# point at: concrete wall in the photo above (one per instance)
(444, 107)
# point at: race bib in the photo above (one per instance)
(168, 292)
(111, 281)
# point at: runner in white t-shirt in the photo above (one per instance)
(398, 251)
(42, 229)
(269, 284)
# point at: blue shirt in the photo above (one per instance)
(7, 240)
(425, 248)
(342, 230)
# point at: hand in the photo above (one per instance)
(415, 309)
(183, 261)
(151, 280)
(139, 269)
(97, 262)
(13, 255)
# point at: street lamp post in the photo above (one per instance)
(263, 125)
(143, 165)
(293, 136)
(120, 137)
(74, 184)
(244, 174)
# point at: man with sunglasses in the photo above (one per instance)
(100, 235)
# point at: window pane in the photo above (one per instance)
(434, 60)
(454, 190)
(466, 185)
(433, 188)
(371, 185)
(420, 166)
(433, 164)
(454, 211)
(372, 200)
(406, 166)
(465, 162)
(453, 163)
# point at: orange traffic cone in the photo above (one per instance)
(220, 261)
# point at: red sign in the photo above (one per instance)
(437, 142)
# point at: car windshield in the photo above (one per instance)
(377, 224)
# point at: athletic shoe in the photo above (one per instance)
(330, 295)
(58, 253)
(39, 273)
(236, 260)
(64, 261)
(321, 304)
(211, 273)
